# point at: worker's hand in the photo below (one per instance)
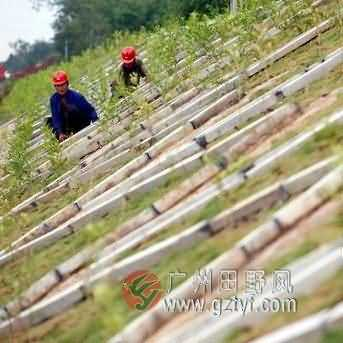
(62, 137)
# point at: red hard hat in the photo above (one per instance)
(128, 55)
(59, 78)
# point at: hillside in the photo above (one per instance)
(222, 175)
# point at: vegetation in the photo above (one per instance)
(25, 54)
(72, 24)
(106, 313)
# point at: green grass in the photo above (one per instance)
(327, 295)
(13, 228)
(320, 147)
(101, 317)
(294, 59)
(333, 336)
(20, 273)
(106, 312)
(296, 63)
(314, 239)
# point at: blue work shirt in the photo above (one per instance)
(73, 98)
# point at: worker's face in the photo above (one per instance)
(129, 65)
(62, 89)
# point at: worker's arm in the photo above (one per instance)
(56, 116)
(142, 71)
(87, 108)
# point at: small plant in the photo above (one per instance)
(53, 150)
(18, 164)
(162, 50)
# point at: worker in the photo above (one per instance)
(131, 69)
(71, 112)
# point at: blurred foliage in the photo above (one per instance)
(85, 24)
(25, 54)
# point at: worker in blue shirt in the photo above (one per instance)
(71, 112)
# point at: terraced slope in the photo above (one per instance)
(222, 166)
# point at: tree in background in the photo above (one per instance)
(82, 24)
(26, 54)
